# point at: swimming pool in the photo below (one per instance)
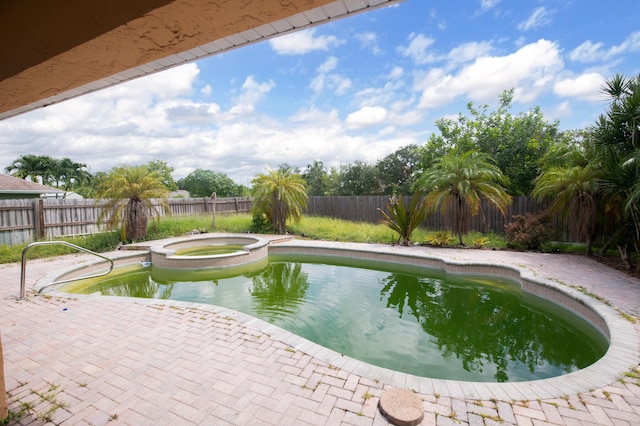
(623, 340)
(406, 318)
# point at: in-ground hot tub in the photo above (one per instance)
(226, 252)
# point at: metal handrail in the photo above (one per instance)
(43, 243)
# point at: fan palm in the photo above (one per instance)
(460, 182)
(280, 195)
(129, 192)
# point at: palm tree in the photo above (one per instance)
(68, 174)
(616, 137)
(129, 192)
(573, 191)
(459, 182)
(33, 167)
(280, 195)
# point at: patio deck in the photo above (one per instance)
(106, 360)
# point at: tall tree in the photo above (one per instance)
(68, 174)
(458, 182)
(65, 173)
(280, 195)
(38, 168)
(515, 142)
(396, 171)
(316, 178)
(164, 171)
(129, 193)
(358, 178)
(202, 183)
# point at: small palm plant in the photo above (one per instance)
(460, 181)
(279, 195)
(402, 219)
(129, 192)
(574, 192)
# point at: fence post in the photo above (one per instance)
(38, 218)
(213, 223)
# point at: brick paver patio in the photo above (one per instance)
(106, 360)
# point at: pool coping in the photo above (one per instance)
(622, 355)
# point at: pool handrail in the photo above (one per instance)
(42, 243)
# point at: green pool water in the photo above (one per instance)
(409, 319)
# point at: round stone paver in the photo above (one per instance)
(401, 407)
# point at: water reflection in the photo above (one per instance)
(137, 284)
(279, 289)
(483, 326)
(464, 328)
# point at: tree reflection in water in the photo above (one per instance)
(139, 284)
(461, 328)
(486, 327)
(279, 289)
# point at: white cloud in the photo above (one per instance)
(396, 73)
(302, 42)
(369, 40)
(379, 95)
(469, 51)
(417, 49)
(252, 92)
(314, 114)
(539, 18)
(488, 4)
(587, 52)
(585, 87)
(329, 65)
(595, 52)
(206, 90)
(530, 70)
(367, 116)
(334, 82)
(630, 44)
(562, 110)
(441, 24)
(154, 118)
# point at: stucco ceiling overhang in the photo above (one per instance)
(54, 50)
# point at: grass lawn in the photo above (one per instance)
(320, 228)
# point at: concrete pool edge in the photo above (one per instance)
(622, 355)
(253, 249)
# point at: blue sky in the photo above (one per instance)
(354, 89)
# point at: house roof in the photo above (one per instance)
(118, 41)
(13, 185)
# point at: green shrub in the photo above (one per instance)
(441, 239)
(260, 224)
(480, 242)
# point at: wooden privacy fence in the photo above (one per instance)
(26, 220)
(30, 219)
(364, 209)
